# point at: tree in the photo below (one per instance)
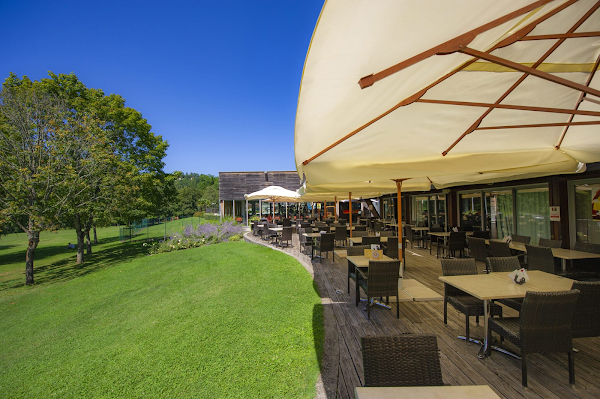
(37, 143)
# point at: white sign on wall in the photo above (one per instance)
(555, 213)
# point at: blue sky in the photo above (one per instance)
(218, 80)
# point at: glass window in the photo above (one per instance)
(533, 210)
(587, 212)
(501, 213)
(470, 211)
(421, 216)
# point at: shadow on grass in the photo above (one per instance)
(67, 268)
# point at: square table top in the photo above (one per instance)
(500, 286)
(363, 261)
(439, 392)
(447, 233)
(561, 253)
(358, 240)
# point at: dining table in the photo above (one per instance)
(488, 287)
(560, 253)
(433, 392)
(358, 240)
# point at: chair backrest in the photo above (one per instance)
(457, 267)
(392, 247)
(327, 242)
(546, 242)
(546, 320)
(368, 240)
(359, 233)
(499, 249)
(503, 264)
(286, 233)
(286, 222)
(482, 234)
(360, 228)
(386, 233)
(586, 319)
(409, 234)
(436, 229)
(457, 240)
(378, 226)
(305, 225)
(540, 258)
(357, 250)
(523, 239)
(383, 278)
(324, 228)
(478, 248)
(341, 233)
(587, 247)
(401, 360)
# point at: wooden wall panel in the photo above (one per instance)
(234, 185)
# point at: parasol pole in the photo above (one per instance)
(400, 237)
(335, 209)
(286, 215)
(350, 212)
(247, 221)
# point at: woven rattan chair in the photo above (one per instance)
(355, 250)
(387, 233)
(392, 248)
(478, 249)
(341, 236)
(360, 233)
(506, 265)
(432, 239)
(326, 243)
(368, 240)
(543, 326)
(401, 360)
(460, 300)
(523, 239)
(586, 319)
(286, 235)
(305, 242)
(540, 258)
(587, 247)
(456, 242)
(412, 237)
(381, 281)
(499, 249)
(360, 228)
(545, 242)
(485, 234)
(287, 222)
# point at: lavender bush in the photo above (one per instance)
(203, 234)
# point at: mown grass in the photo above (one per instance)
(53, 263)
(227, 320)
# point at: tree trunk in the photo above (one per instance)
(95, 236)
(88, 243)
(80, 239)
(34, 239)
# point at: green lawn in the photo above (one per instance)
(227, 320)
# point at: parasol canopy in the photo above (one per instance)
(448, 93)
(274, 194)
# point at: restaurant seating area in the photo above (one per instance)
(344, 367)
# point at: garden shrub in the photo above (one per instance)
(203, 234)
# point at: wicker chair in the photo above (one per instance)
(461, 301)
(586, 319)
(485, 234)
(382, 281)
(326, 243)
(401, 360)
(412, 237)
(545, 242)
(286, 235)
(431, 239)
(500, 249)
(540, 258)
(287, 222)
(456, 242)
(587, 247)
(360, 233)
(355, 250)
(478, 249)
(523, 239)
(341, 236)
(305, 242)
(544, 326)
(506, 265)
(368, 240)
(387, 233)
(392, 248)
(360, 228)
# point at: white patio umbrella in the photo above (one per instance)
(274, 194)
(451, 92)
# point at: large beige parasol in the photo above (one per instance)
(451, 92)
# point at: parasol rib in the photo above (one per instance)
(515, 107)
(540, 125)
(561, 36)
(459, 40)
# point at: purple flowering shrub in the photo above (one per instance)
(203, 234)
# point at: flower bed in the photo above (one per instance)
(203, 234)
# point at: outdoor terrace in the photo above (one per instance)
(345, 323)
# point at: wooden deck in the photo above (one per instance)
(345, 323)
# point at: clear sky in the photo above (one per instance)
(217, 79)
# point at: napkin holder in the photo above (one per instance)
(519, 276)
